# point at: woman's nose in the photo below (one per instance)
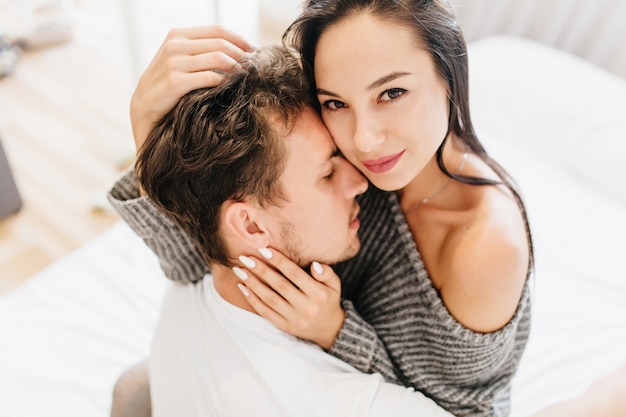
(367, 135)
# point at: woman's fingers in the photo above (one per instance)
(288, 268)
(195, 80)
(272, 279)
(188, 59)
(261, 307)
(214, 31)
(267, 302)
(326, 275)
(200, 46)
(208, 61)
(322, 273)
(276, 291)
(202, 54)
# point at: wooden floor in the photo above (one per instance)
(65, 128)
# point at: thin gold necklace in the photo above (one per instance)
(439, 191)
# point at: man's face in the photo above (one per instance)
(318, 222)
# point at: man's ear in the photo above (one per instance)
(244, 221)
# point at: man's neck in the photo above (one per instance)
(225, 282)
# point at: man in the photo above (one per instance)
(241, 167)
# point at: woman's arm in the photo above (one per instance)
(179, 258)
(359, 345)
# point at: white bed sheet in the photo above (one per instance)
(69, 332)
(579, 289)
(558, 125)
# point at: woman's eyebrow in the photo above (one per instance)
(379, 82)
(321, 91)
(386, 78)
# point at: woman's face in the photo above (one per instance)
(382, 98)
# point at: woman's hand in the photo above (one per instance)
(188, 59)
(303, 305)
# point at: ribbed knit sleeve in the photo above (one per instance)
(179, 258)
(359, 345)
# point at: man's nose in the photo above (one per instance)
(356, 183)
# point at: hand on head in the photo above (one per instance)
(188, 59)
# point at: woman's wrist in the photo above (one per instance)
(334, 329)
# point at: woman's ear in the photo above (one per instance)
(244, 221)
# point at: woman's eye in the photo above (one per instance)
(392, 94)
(333, 104)
(330, 175)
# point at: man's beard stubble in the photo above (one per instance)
(294, 248)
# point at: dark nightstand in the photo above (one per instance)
(10, 200)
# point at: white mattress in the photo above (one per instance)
(69, 332)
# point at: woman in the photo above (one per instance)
(437, 298)
(392, 83)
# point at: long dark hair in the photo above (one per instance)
(435, 24)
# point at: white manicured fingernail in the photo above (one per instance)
(240, 273)
(243, 289)
(317, 267)
(266, 253)
(247, 261)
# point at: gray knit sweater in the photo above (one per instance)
(396, 323)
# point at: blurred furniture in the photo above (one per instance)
(65, 129)
(9, 55)
(10, 200)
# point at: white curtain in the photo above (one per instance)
(592, 29)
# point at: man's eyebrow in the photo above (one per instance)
(335, 152)
(381, 81)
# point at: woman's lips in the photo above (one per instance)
(383, 164)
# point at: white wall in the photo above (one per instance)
(284, 11)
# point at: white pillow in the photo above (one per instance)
(554, 104)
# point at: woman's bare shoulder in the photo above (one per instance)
(484, 262)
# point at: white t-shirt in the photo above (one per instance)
(211, 358)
